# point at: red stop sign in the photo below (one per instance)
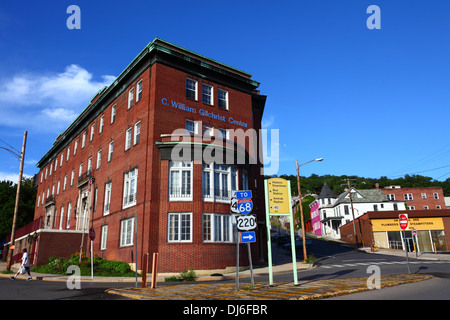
(403, 221)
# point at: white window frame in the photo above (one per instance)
(218, 182)
(139, 90)
(113, 113)
(65, 183)
(61, 218)
(222, 103)
(110, 150)
(92, 132)
(89, 167)
(209, 98)
(137, 133)
(83, 140)
(127, 232)
(107, 203)
(130, 97)
(104, 237)
(61, 160)
(188, 123)
(130, 188)
(69, 211)
(72, 177)
(436, 196)
(75, 147)
(407, 196)
(218, 227)
(189, 89)
(99, 159)
(102, 123)
(68, 153)
(182, 191)
(176, 231)
(128, 139)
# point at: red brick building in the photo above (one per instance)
(152, 162)
(417, 198)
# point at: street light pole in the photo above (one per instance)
(301, 206)
(16, 207)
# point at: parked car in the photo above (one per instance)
(298, 244)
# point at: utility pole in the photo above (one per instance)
(353, 212)
(16, 207)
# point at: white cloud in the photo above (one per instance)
(14, 177)
(38, 100)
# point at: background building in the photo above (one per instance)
(132, 165)
(417, 198)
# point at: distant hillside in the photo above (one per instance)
(314, 183)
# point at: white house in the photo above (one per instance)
(340, 212)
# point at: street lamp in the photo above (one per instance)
(301, 207)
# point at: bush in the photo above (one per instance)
(102, 267)
(184, 276)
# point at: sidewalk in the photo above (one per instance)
(204, 289)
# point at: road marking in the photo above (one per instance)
(377, 263)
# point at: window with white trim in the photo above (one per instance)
(128, 139)
(179, 228)
(408, 196)
(106, 208)
(75, 147)
(104, 237)
(191, 89)
(130, 98)
(102, 122)
(83, 140)
(126, 232)
(69, 211)
(217, 227)
(222, 98)
(99, 159)
(207, 94)
(113, 113)
(61, 218)
(110, 150)
(218, 182)
(72, 177)
(139, 91)
(92, 132)
(191, 126)
(130, 188)
(137, 133)
(180, 180)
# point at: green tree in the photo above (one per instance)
(27, 202)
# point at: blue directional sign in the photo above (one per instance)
(245, 194)
(248, 237)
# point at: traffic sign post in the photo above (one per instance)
(404, 223)
(242, 205)
(278, 203)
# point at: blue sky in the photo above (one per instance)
(370, 102)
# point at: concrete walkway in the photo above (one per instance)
(203, 288)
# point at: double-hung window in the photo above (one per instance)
(191, 126)
(128, 139)
(207, 94)
(130, 98)
(179, 228)
(139, 91)
(129, 188)
(127, 232)
(137, 133)
(191, 89)
(110, 150)
(218, 182)
(104, 237)
(106, 208)
(222, 98)
(113, 113)
(217, 227)
(180, 180)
